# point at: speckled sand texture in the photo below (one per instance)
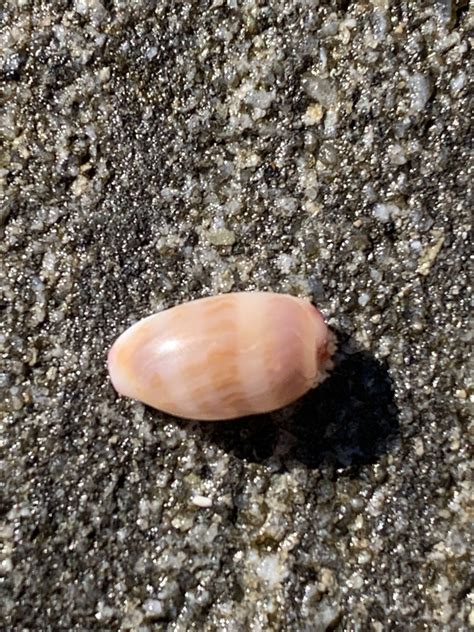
(159, 151)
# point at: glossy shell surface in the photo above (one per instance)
(223, 357)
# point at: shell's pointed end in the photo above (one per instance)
(324, 357)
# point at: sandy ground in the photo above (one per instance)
(154, 152)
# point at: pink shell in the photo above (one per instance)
(223, 357)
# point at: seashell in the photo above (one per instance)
(225, 356)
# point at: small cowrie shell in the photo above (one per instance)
(224, 356)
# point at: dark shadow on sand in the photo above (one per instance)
(348, 421)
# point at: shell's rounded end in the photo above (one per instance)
(111, 365)
(117, 369)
